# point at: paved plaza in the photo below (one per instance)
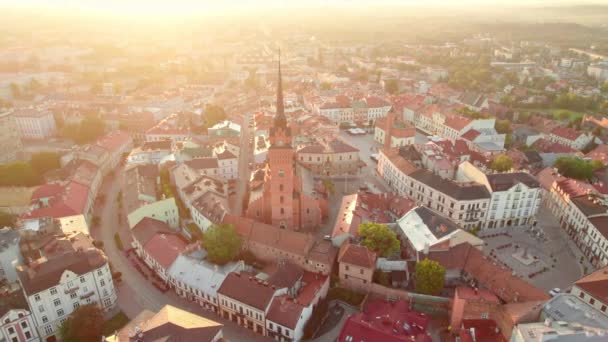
(547, 260)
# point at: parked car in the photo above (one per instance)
(554, 292)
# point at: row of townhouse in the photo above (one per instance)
(276, 305)
(477, 201)
(480, 134)
(68, 273)
(343, 109)
(583, 214)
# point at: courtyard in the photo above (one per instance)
(543, 255)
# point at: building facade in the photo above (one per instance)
(10, 141)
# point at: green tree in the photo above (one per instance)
(605, 88)
(597, 165)
(222, 243)
(91, 128)
(45, 161)
(391, 86)
(214, 114)
(7, 219)
(84, 324)
(574, 167)
(503, 126)
(325, 86)
(430, 277)
(379, 238)
(502, 163)
(329, 186)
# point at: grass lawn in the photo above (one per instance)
(115, 323)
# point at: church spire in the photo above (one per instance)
(279, 119)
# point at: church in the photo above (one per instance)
(278, 199)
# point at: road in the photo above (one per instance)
(135, 293)
(245, 157)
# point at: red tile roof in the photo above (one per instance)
(470, 135)
(247, 289)
(387, 322)
(357, 255)
(165, 248)
(566, 133)
(596, 284)
(46, 190)
(546, 146)
(480, 330)
(284, 311)
(70, 200)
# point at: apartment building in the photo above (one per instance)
(570, 137)
(593, 289)
(357, 265)
(69, 272)
(515, 196)
(329, 159)
(16, 321)
(10, 141)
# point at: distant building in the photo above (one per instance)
(10, 255)
(593, 289)
(599, 71)
(225, 129)
(10, 141)
(35, 123)
(571, 137)
(330, 159)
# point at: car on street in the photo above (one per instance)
(554, 292)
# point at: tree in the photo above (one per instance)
(502, 163)
(214, 114)
(391, 86)
(18, 174)
(574, 167)
(379, 238)
(597, 165)
(430, 277)
(45, 161)
(222, 243)
(503, 126)
(7, 219)
(325, 86)
(91, 128)
(329, 185)
(605, 88)
(84, 324)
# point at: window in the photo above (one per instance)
(81, 279)
(361, 271)
(11, 330)
(99, 272)
(60, 312)
(53, 291)
(37, 297)
(591, 301)
(24, 325)
(44, 319)
(582, 295)
(282, 211)
(14, 339)
(346, 267)
(41, 308)
(48, 329)
(57, 302)
(28, 335)
(76, 305)
(603, 309)
(102, 282)
(485, 315)
(280, 187)
(281, 199)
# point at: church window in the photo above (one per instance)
(281, 199)
(282, 210)
(280, 187)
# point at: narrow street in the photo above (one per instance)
(245, 156)
(135, 293)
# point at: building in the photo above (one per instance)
(423, 230)
(10, 255)
(163, 210)
(386, 321)
(281, 201)
(357, 265)
(245, 299)
(157, 245)
(10, 141)
(35, 123)
(390, 131)
(599, 71)
(228, 164)
(367, 207)
(198, 280)
(69, 272)
(555, 330)
(140, 186)
(225, 129)
(151, 152)
(118, 144)
(169, 324)
(286, 319)
(480, 330)
(593, 289)
(16, 320)
(515, 196)
(58, 201)
(574, 309)
(330, 159)
(570, 137)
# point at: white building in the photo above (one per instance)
(16, 321)
(599, 71)
(228, 165)
(163, 210)
(198, 280)
(60, 281)
(570, 137)
(593, 289)
(35, 123)
(515, 197)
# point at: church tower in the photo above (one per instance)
(281, 159)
